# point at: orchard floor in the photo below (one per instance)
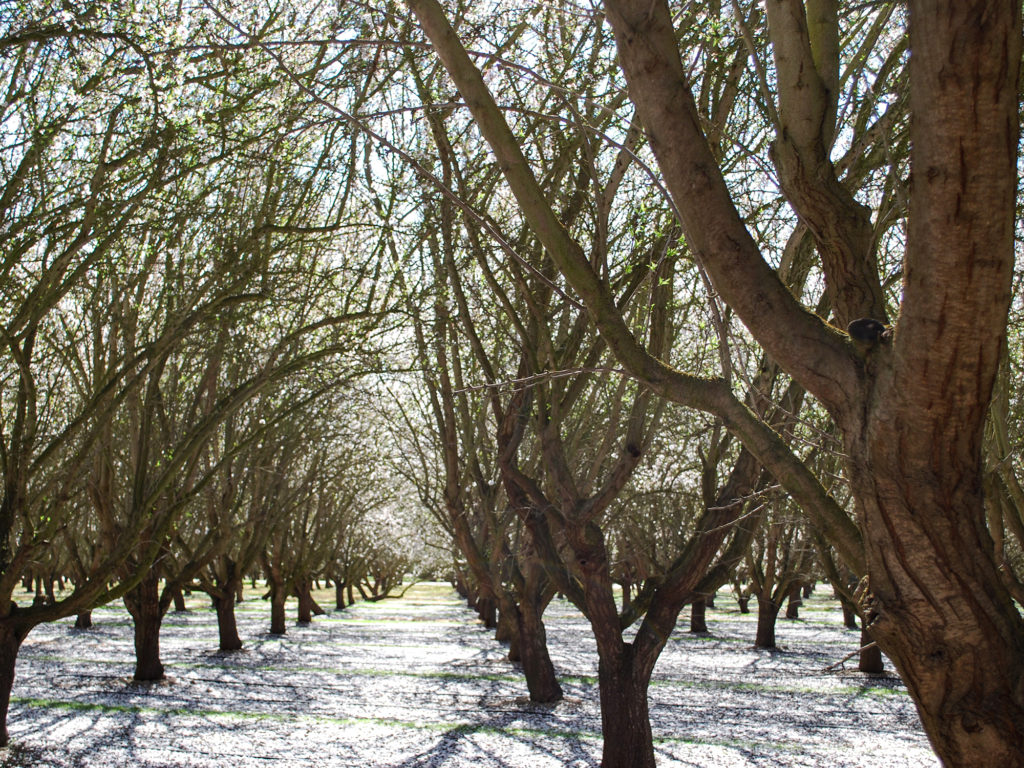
(417, 682)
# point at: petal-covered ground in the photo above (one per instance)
(418, 682)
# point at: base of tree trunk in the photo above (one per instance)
(795, 601)
(83, 620)
(698, 617)
(870, 654)
(625, 719)
(541, 680)
(277, 617)
(227, 625)
(767, 614)
(849, 616)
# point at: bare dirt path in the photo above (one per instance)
(418, 682)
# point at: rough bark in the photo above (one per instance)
(625, 713)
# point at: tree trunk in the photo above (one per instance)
(277, 601)
(541, 680)
(849, 615)
(179, 601)
(709, 601)
(143, 604)
(698, 617)
(278, 624)
(625, 715)
(339, 596)
(870, 654)
(227, 626)
(11, 637)
(767, 613)
(506, 627)
(795, 601)
(83, 620)
(240, 591)
(487, 609)
(744, 603)
(303, 592)
(945, 619)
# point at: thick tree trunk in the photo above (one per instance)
(227, 625)
(625, 715)
(698, 617)
(541, 680)
(744, 603)
(83, 620)
(143, 604)
(945, 619)
(767, 613)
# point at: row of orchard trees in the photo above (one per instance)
(728, 205)
(190, 305)
(215, 217)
